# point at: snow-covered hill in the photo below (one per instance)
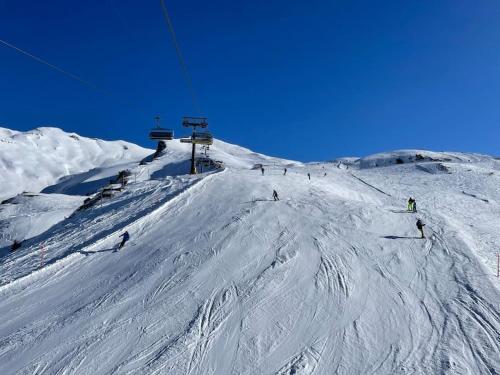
(29, 215)
(417, 156)
(33, 160)
(220, 279)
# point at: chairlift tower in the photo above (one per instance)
(197, 137)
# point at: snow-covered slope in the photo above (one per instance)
(31, 161)
(29, 215)
(220, 279)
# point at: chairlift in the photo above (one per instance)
(159, 133)
(202, 138)
(200, 122)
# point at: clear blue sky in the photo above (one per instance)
(307, 80)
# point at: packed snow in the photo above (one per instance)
(218, 278)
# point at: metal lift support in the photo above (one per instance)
(193, 122)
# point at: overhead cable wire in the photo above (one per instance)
(55, 67)
(182, 62)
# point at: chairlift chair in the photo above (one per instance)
(202, 138)
(200, 122)
(159, 133)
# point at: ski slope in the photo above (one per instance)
(220, 279)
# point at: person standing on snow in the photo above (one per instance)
(410, 204)
(414, 206)
(284, 172)
(420, 227)
(262, 170)
(126, 237)
(309, 176)
(275, 195)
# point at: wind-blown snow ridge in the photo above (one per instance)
(220, 279)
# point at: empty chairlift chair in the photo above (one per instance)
(161, 134)
(200, 122)
(202, 138)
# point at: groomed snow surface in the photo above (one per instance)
(218, 278)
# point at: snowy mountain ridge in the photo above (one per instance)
(33, 160)
(418, 156)
(220, 278)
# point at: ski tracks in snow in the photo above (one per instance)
(332, 273)
(154, 206)
(303, 363)
(302, 286)
(187, 351)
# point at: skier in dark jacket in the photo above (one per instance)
(309, 176)
(275, 195)
(126, 237)
(420, 227)
(262, 170)
(284, 172)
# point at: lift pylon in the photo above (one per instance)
(197, 137)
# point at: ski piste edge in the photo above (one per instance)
(67, 260)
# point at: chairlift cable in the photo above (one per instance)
(55, 67)
(182, 62)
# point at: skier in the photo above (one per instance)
(410, 204)
(414, 206)
(275, 195)
(309, 176)
(420, 227)
(126, 237)
(262, 170)
(284, 172)
(324, 175)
